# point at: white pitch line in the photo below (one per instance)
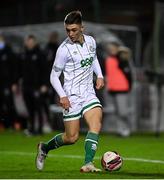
(144, 160)
(78, 156)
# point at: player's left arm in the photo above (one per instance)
(98, 72)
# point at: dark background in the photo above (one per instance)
(130, 12)
(138, 13)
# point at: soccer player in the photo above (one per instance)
(76, 57)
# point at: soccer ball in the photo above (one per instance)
(111, 161)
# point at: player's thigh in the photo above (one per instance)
(93, 118)
(72, 128)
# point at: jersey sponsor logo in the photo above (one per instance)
(86, 62)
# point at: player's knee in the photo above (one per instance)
(72, 138)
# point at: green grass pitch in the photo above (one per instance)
(143, 157)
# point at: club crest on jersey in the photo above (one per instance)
(91, 48)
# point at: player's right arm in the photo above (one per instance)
(58, 66)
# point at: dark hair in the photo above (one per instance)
(74, 17)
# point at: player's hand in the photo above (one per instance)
(99, 83)
(65, 103)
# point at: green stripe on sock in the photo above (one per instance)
(59, 140)
(91, 140)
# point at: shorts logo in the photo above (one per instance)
(87, 62)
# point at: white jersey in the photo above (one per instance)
(77, 63)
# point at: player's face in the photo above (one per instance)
(74, 31)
